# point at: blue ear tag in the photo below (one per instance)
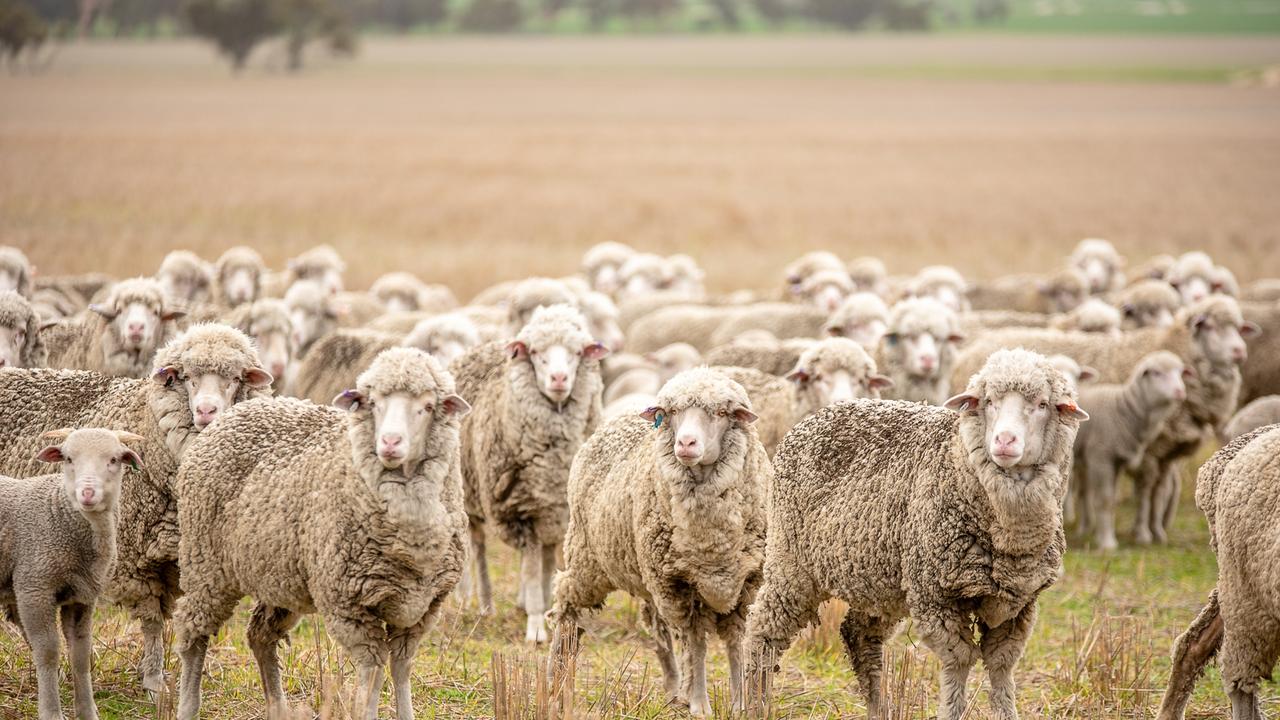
(657, 420)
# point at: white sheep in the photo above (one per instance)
(1101, 265)
(238, 276)
(120, 334)
(187, 278)
(863, 317)
(601, 263)
(918, 350)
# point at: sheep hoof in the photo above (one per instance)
(1107, 545)
(700, 708)
(153, 683)
(535, 630)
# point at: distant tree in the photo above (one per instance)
(306, 20)
(849, 14)
(21, 29)
(404, 15)
(653, 10)
(492, 16)
(774, 12)
(727, 10)
(236, 26)
(989, 12)
(907, 14)
(132, 17)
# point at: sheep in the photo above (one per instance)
(15, 271)
(656, 369)
(398, 291)
(640, 275)
(684, 275)
(1125, 419)
(1075, 373)
(536, 399)
(799, 270)
(530, 294)
(186, 278)
(602, 318)
(825, 289)
(1224, 282)
(321, 264)
(54, 302)
(784, 320)
(20, 342)
(198, 375)
(632, 309)
(692, 324)
(949, 515)
(831, 371)
(1059, 292)
(335, 360)
(1091, 316)
(868, 275)
(1194, 276)
(942, 283)
(601, 263)
(862, 317)
(1236, 489)
(57, 544)
(1261, 372)
(978, 321)
(1148, 303)
(359, 518)
(119, 336)
(1264, 290)
(267, 323)
(778, 359)
(918, 350)
(238, 275)
(1261, 412)
(445, 337)
(1154, 268)
(669, 506)
(312, 313)
(1101, 265)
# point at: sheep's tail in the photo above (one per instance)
(1191, 653)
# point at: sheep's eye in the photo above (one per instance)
(1044, 405)
(722, 412)
(115, 461)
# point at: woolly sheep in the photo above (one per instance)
(57, 544)
(684, 275)
(530, 294)
(267, 323)
(1236, 489)
(336, 360)
(951, 516)
(445, 337)
(868, 275)
(692, 324)
(1124, 419)
(321, 264)
(398, 291)
(826, 289)
(1091, 316)
(918, 350)
(602, 318)
(312, 313)
(1148, 303)
(1259, 413)
(186, 278)
(1261, 371)
(20, 342)
(1194, 276)
(658, 367)
(784, 320)
(1264, 290)
(799, 270)
(641, 275)
(631, 309)
(120, 335)
(669, 506)
(1075, 373)
(862, 317)
(778, 358)
(238, 276)
(1100, 264)
(198, 375)
(1154, 268)
(1059, 292)
(536, 399)
(61, 296)
(359, 518)
(942, 283)
(601, 263)
(15, 271)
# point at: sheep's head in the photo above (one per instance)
(602, 318)
(683, 275)
(826, 289)
(1193, 275)
(1148, 303)
(185, 277)
(1162, 377)
(1218, 329)
(695, 410)
(868, 274)
(268, 323)
(15, 271)
(1018, 398)
(1098, 260)
(20, 344)
(313, 313)
(397, 404)
(532, 293)
(239, 273)
(445, 337)
(93, 464)
(798, 271)
(398, 291)
(642, 274)
(601, 262)
(837, 370)
(673, 359)
(214, 366)
(862, 317)
(1074, 372)
(1094, 316)
(942, 283)
(1065, 289)
(923, 334)
(135, 312)
(555, 342)
(321, 265)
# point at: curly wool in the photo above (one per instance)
(91, 343)
(433, 332)
(16, 314)
(857, 310)
(909, 318)
(334, 361)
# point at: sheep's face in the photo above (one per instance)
(922, 352)
(1016, 425)
(641, 284)
(827, 296)
(1063, 297)
(274, 351)
(327, 278)
(606, 279)
(135, 322)
(399, 301)
(1166, 384)
(240, 285)
(697, 433)
(1098, 271)
(184, 287)
(555, 366)
(1193, 288)
(10, 279)
(1222, 343)
(12, 342)
(673, 360)
(311, 317)
(949, 295)
(1143, 316)
(209, 393)
(866, 333)
(830, 383)
(93, 463)
(402, 422)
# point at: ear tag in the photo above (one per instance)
(657, 420)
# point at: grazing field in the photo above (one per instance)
(470, 161)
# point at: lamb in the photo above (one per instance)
(536, 399)
(1261, 372)
(601, 263)
(1059, 292)
(15, 271)
(919, 349)
(20, 342)
(267, 323)
(445, 337)
(334, 362)
(799, 270)
(778, 358)
(1101, 265)
(312, 313)
(119, 336)
(1148, 303)
(868, 275)
(826, 289)
(862, 317)
(942, 283)
(359, 518)
(238, 275)
(1125, 419)
(1259, 413)
(1236, 489)
(186, 278)
(655, 370)
(57, 544)
(669, 506)
(1091, 316)
(198, 375)
(950, 515)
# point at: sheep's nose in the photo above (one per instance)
(277, 369)
(558, 379)
(1006, 438)
(686, 445)
(205, 411)
(1239, 353)
(392, 440)
(928, 361)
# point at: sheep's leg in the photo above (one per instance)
(199, 615)
(1191, 653)
(1246, 656)
(864, 638)
(1244, 705)
(364, 636)
(1102, 504)
(550, 552)
(1144, 481)
(368, 689)
(1001, 648)
(534, 603)
(267, 627)
(191, 653)
(731, 636)
(152, 666)
(1167, 502)
(950, 637)
(483, 584)
(39, 622)
(663, 648)
(77, 629)
(403, 646)
(693, 678)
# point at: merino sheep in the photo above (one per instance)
(669, 506)
(1259, 413)
(1194, 276)
(951, 516)
(826, 289)
(862, 317)
(445, 337)
(684, 275)
(868, 275)
(20, 342)
(529, 295)
(536, 399)
(784, 320)
(919, 349)
(187, 279)
(799, 270)
(359, 518)
(1059, 292)
(778, 358)
(1101, 265)
(601, 263)
(1155, 267)
(692, 324)
(1236, 489)
(1075, 373)
(942, 283)
(1148, 303)
(336, 360)
(238, 275)
(1264, 290)
(1124, 420)
(312, 313)
(267, 323)
(398, 291)
(1261, 372)
(321, 264)
(641, 275)
(119, 336)
(655, 370)
(1091, 316)
(198, 375)
(15, 271)
(57, 544)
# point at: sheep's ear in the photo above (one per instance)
(879, 382)
(349, 400)
(1196, 322)
(164, 375)
(131, 459)
(169, 315)
(956, 338)
(836, 331)
(962, 403)
(518, 349)
(46, 324)
(256, 377)
(1188, 373)
(125, 436)
(653, 414)
(595, 351)
(799, 375)
(744, 416)
(51, 454)
(455, 405)
(1128, 309)
(104, 310)
(1071, 410)
(1088, 374)
(335, 310)
(56, 435)
(1250, 330)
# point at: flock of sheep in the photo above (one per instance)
(909, 444)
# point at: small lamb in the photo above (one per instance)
(57, 545)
